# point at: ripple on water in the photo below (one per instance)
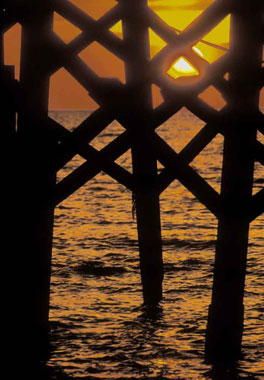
(99, 328)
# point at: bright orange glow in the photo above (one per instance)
(177, 14)
(182, 68)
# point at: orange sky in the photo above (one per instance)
(66, 93)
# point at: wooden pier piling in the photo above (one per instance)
(39, 146)
(36, 176)
(225, 323)
(136, 38)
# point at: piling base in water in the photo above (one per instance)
(224, 334)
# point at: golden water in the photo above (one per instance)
(100, 330)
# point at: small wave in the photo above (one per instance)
(186, 265)
(96, 268)
(198, 244)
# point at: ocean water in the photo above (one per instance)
(99, 327)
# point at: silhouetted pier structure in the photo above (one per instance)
(43, 146)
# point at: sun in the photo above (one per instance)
(182, 68)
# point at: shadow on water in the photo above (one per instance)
(151, 313)
(229, 371)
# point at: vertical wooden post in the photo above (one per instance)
(8, 209)
(36, 177)
(136, 37)
(225, 323)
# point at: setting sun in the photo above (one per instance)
(134, 182)
(182, 68)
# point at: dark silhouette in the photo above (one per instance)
(43, 146)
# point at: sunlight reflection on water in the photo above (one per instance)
(99, 327)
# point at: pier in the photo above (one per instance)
(38, 146)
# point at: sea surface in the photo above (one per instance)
(99, 327)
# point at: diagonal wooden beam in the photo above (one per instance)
(203, 24)
(99, 120)
(79, 43)
(59, 133)
(188, 153)
(183, 41)
(95, 158)
(80, 136)
(84, 39)
(186, 175)
(97, 87)
(96, 29)
(91, 172)
(121, 179)
(86, 77)
(83, 134)
(86, 131)
(104, 158)
(198, 142)
(168, 33)
(97, 161)
(175, 42)
(215, 125)
(61, 56)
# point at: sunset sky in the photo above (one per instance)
(66, 93)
